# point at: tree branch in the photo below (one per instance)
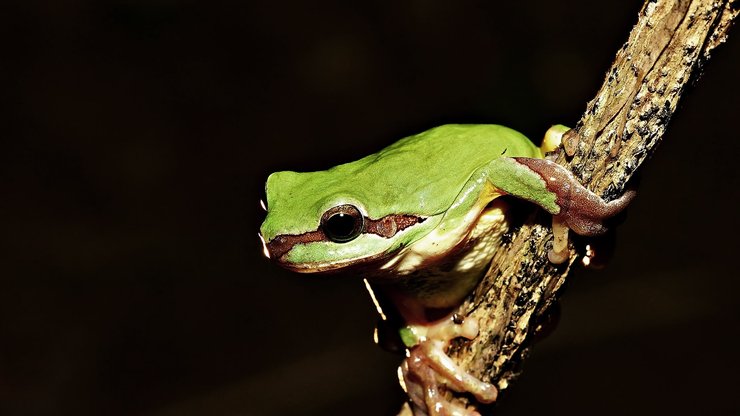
(619, 130)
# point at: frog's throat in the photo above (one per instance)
(440, 279)
(385, 227)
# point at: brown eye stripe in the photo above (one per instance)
(283, 243)
(389, 225)
(386, 227)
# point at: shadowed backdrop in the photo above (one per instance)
(136, 139)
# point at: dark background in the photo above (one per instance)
(137, 136)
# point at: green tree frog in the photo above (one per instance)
(420, 220)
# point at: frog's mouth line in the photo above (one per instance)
(385, 227)
(333, 267)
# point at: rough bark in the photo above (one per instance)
(619, 130)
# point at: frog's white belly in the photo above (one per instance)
(441, 279)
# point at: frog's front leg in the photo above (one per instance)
(428, 366)
(578, 208)
(556, 190)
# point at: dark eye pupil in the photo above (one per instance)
(342, 223)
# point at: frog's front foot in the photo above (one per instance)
(428, 370)
(577, 207)
(585, 214)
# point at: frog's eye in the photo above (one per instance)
(342, 223)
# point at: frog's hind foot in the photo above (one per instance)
(428, 371)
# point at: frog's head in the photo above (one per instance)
(324, 221)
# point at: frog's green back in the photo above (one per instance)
(420, 175)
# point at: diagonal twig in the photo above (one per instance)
(619, 130)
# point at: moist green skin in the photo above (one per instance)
(388, 182)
